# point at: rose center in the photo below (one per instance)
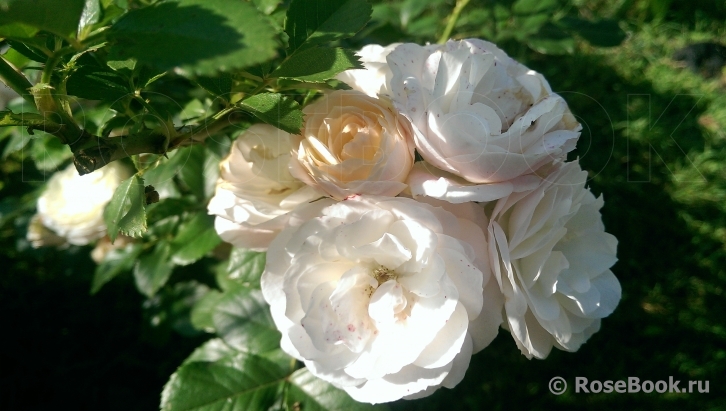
(383, 274)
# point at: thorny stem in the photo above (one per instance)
(92, 152)
(262, 86)
(53, 61)
(460, 4)
(16, 81)
(96, 152)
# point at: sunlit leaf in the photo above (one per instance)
(234, 382)
(125, 212)
(245, 268)
(311, 22)
(195, 239)
(242, 318)
(316, 65)
(57, 16)
(202, 36)
(275, 109)
(311, 393)
(204, 309)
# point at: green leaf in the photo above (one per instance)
(201, 36)
(266, 6)
(116, 122)
(218, 148)
(111, 12)
(115, 262)
(529, 7)
(125, 212)
(204, 309)
(275, 109)
(164, 228)
(57, 16)
(17, 31)
(171, 307)
(601, 33)
(48, 152)
(410, 9)
(424, 26)
(18, 140)
(167, 169)
(235, 382)
(212, 350)
(147, 75)
(311, 22)
(120, 63)
(219, 86)
(153, 269)
(526, 26)
(210, 173)
(216, 349)
(551, 39)
(317, 64)
(195, 239)
(242, 318)
(94, 83)
(245, 268)
(314, 394)
(197, 167)
(27, 51)
(91, 15)
(192, 171)
(167, 207)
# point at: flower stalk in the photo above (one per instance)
(460, 4)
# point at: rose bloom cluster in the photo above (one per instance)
(386, 270)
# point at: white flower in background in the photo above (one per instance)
(255, 189)
(353, 144)
(479, 115)
(72, 205)
(374, 78)
(104, 246)
(383, 296)
(41, 236)
(552, 257)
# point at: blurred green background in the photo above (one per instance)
(654, 143)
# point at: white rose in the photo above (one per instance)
(353, 144)
(373, 79)
(72, 205)
(479, 114)
(551, 256)
(255, 190)
(41, 236)
(383, 296)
